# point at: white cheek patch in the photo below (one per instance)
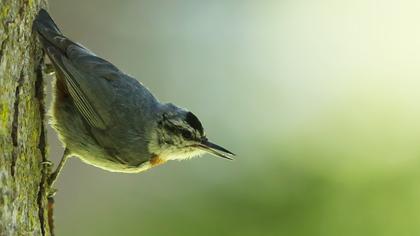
(179, 154)
(183, 154)
(178, 148)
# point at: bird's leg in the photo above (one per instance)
(53, 177)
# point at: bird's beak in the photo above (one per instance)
(215, 150)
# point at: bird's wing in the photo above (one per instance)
(90, 91)
(83, 98)
(86, 76)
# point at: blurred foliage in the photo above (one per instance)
(319, 99)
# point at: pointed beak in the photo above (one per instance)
(215, 150)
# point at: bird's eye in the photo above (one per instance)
(186, 134)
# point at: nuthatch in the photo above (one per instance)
(110, 120)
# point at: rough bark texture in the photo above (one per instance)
(23, 199)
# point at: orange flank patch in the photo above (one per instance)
(155, 160)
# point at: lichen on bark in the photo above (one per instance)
(23, 198)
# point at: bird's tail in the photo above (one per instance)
(50, 34)
(54, 44)
(45, 25)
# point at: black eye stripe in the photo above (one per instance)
(186, 134)
(176, 130)
(171, 128)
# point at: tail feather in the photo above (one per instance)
(44, 21)
(55, 46)
(50, 34)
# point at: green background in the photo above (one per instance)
(319, 99)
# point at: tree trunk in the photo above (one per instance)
(23, 198)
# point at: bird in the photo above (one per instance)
(109, 119)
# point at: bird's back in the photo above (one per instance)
(111, 110)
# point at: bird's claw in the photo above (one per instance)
(52, 192)
(46, 163)
(49, 69)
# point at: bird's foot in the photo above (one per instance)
(52, 192)
(49, 69)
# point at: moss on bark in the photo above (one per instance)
(23, 199)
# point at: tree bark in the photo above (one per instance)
(23, 198)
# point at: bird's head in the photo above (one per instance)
(179, 135)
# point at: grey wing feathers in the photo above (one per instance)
(86, 93)
(86, 76)
(79, 97)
